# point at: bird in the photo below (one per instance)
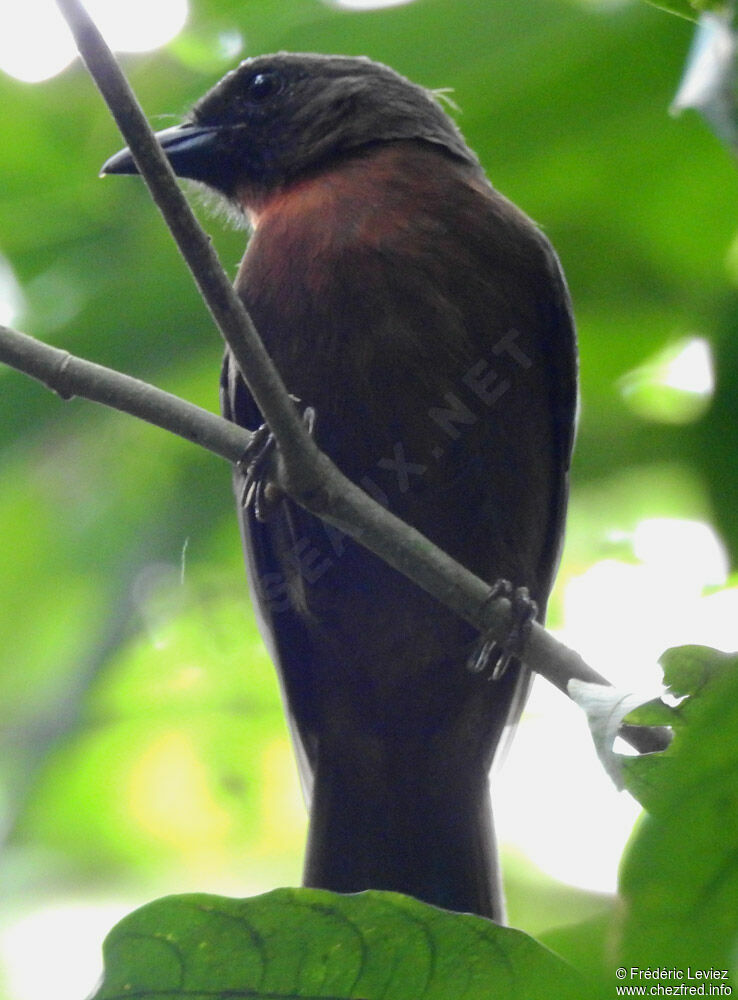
(426, 322)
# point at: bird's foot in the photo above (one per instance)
(491, 656)
(258, 491)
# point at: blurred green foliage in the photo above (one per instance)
(139, 721)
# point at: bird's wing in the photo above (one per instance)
(281, 629)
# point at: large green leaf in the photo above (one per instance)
(307, 943)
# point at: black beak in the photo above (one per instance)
(191, 150)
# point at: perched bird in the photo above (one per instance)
(426, 320)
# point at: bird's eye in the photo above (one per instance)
(262, 86)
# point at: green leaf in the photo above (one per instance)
(651, 713)
(309, 943)
(587, 946)
(690, 669)
(679, 877)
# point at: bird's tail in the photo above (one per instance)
(399, 824)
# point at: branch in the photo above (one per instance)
(301, 469)
(70, 376)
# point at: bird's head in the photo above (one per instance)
(278, 118)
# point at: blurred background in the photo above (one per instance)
(142, 748)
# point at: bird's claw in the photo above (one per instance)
(259, 492)
(491, 656)
(253, 466)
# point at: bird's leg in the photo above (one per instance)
(492, 657)
(258, 491)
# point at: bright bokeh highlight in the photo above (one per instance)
(367, 4)
(554, 803)
(36, 44)
(569, 819)
(691, 368)
(675, 386)
(56, 950)
(11, 295)
(621, 615)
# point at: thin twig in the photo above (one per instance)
(70, 376)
